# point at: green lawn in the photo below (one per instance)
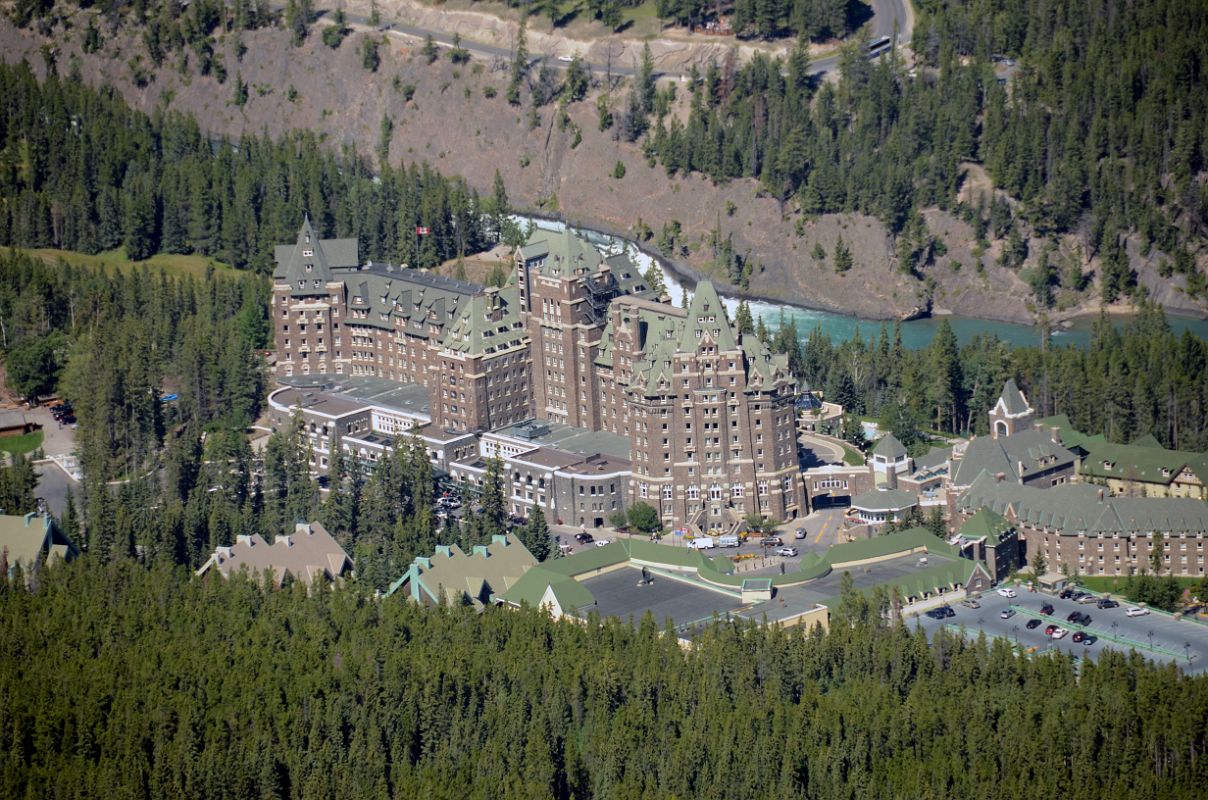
(852, 457)
(1115, 584)
(20, 445)
(116, 259)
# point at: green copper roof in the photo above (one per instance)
(1072, 508)
(706, 322)
(311, 259)
(487, 324)
(890, 544)
(1141, 463)
(884, 500)
(986, 524)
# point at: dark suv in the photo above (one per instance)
(771, 541)
(1106, 603)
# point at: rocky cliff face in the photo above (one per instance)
(442, 115)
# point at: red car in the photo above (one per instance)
(1049, 630)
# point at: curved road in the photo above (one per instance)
(889, 16)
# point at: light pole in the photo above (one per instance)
(1150, 640)
(1115, 625)
(1015, 630)
(1187, 651)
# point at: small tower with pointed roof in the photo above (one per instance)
(1012, 413)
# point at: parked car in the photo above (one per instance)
(1066, 594)
(799, 534)
(1006, 613)
(1046, 609)
(1059, 633)
(1048, 631)
(787, 552)
(1136, 611)
(1074, 617)
(969, 602)
(702, 543)
(771, 541)
(943, 612)
(1033, 624)
(602, 542)
(1087, 599)
(1006, 591)
(584, 538)
(1108, 603)
(728, 541)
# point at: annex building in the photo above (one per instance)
(671, 406)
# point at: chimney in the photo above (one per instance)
(1055, 434)
(1100, 495)
(1019, 468)
(998, 477)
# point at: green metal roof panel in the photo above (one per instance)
(889, 447)
(888, 545)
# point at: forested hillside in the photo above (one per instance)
(79, 170)
(1103, 130)
(123, 682)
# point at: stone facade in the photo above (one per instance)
(577, 338)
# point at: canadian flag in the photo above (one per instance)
(422, 230)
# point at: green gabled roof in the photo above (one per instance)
(881, 546)
(1148, 440)
(592, 558)
(986, 524)
(1013, 399)
(566, 254)
(889, 447)
(706, 306)
(488, 323)
(884, 500)
(604, 349)
(530, 589)
(1070, 436)
(663, 554)
(1141, 463)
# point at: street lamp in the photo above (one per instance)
(1187, 651)
(1150, 640)
(1115, 625)
(1015, 630)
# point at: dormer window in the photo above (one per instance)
(308, 252)
(310, 267)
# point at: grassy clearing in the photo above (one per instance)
(177, 265)
(21, 445)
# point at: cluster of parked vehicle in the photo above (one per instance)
(63, 413)
(1052, 630)
(734, 540)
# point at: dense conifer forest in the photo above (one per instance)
(121, 681)
(79, 170)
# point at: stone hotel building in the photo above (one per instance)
(576, 339)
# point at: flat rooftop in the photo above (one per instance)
(568, 438)
(408, 398)
(618, 594)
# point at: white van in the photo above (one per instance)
(702, 543)
(728, 541)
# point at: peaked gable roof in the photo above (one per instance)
(307, 553)
(889, 447)
(986, 524)
(1012, 400)
(706, 321)
(310, 258)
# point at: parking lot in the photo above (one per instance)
(1155, 635)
